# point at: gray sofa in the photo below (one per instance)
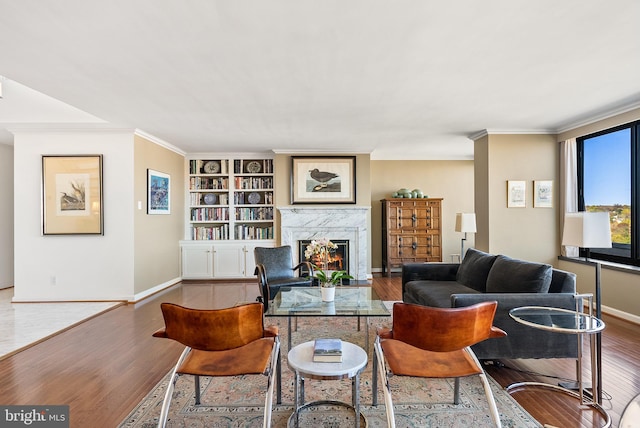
(512, 283)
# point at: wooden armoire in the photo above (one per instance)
(411, 231)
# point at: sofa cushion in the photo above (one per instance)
(433, 293)
(509, 275)
(474, 269)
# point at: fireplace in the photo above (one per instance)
(340, 223)
(339, 259)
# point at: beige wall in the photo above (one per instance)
(450, 180)
(526, 233)
(156, 250)
(481, 191)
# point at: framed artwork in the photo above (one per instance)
(543, 193)
(323, 180)
(158, 192)
(72, 195)
(516, 194)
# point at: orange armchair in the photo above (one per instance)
(434, 343)
(221, 342)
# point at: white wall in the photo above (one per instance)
(6, 216)
(89, 267)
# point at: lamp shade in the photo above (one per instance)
(587, 230)
(465, 222)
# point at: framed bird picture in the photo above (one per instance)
(323, 180)
(72, 195)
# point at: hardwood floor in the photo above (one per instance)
(103, 367)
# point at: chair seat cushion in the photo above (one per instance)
(252, 358)
(406, 360)
(291, 282)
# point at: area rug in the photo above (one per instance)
(238, 401)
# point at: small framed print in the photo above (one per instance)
(543, 193)
(158, 192)
(72, 195)
(516, 193)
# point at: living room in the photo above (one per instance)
(336, 86)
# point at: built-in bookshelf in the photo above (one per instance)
(230, 199)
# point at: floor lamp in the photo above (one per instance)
(590, 230)
(465, 222)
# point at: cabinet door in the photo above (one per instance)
(228, 261)
(197, 261)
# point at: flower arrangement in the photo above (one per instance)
(323, 248)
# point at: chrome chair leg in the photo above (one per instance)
(493, 408)
(164, 411)
(273, 369)
(386, 388)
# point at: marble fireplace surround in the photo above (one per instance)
(350, 223)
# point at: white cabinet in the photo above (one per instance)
(197, 261)
(229, 261)
(219, 260)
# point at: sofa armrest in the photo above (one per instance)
(507, 301)
(428, 271)
(522, 341)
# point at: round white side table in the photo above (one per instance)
(300, 360)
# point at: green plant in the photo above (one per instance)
(335, 279)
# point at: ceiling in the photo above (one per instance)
(407, 79)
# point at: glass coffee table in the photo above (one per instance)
(358, 302)
(292, 302)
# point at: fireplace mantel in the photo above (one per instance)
(297, 223)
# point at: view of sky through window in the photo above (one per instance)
(607, 180)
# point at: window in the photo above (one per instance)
(608, 162)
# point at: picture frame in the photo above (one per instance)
(72, 195)
(158, 192)
(516, 194)
(323, 180)
(543, 194)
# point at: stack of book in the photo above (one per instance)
(327, 351)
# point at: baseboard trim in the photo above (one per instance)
(151, 291)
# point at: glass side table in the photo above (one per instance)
(570, 322)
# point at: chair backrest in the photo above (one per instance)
(213, 329)
(278, 261)
(444, 329)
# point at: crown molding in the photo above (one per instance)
(486, 132)
(602, 116)
(160, 142)
(321, 151)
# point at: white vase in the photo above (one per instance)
(328, 293)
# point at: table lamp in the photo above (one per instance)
(465, 222)
(590, 230)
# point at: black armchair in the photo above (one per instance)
(274, 270)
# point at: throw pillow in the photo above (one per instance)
(474, 269)
(516, 276)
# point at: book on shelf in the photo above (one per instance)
(327, 351)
